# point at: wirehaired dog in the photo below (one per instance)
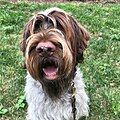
(53, 45)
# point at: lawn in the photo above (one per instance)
(101, 67)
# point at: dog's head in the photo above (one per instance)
(53, 44)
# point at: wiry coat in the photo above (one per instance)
(53, 45)
(41, 107)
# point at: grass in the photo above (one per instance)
(101, 66)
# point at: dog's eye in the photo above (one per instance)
(32, 48)
(58, 45)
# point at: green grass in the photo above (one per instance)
(101, 66)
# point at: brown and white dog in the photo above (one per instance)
(53, 44)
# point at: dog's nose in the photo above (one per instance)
(45, 47)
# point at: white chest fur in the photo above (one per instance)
(41, 107)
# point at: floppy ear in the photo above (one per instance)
(26, 33)
(81, 37)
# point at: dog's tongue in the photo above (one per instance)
(50, 72)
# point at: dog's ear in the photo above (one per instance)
(81, 37)
(26, 33)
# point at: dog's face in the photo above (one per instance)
(53, 44)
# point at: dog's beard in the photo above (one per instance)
(54, 88)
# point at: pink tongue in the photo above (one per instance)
(50, 72)
(50, 69)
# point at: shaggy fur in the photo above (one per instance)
(41, 107)
(53, 45)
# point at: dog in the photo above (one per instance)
(53, 44)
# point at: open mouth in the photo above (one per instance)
(50, 69)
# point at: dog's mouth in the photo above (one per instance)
(50, 70)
